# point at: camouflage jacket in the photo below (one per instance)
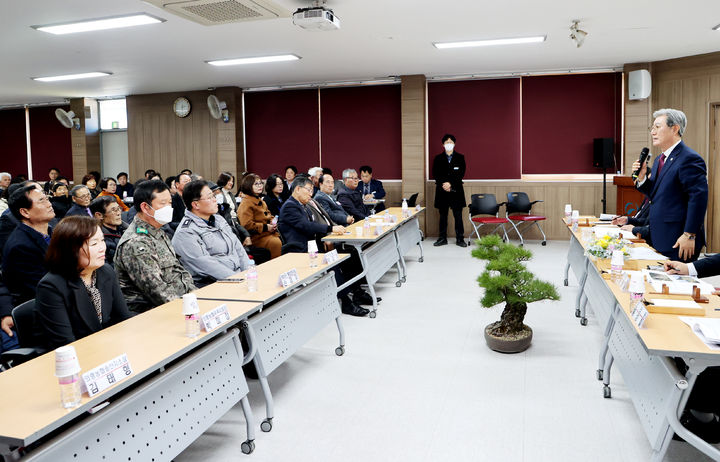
(148, 269)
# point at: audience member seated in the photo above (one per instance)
(186, 171)
(274, 194)
(147, 268)
(8, 222)
(8, 339)
(108, 187)
(204, 242)
(350, 196)
(149, 173)
(90, 181)
(226, 181)
(298, 225)
(290, 174)
(331, 206)
(370, 188)
(5, 179)
(80, 294)
(638, 224)
(24, 253)
(61, 203)
(177, 201)
(157, 176)
(170, 182)
(81, 197)
(106, 210)
(314, 174)
(124, 188)
(4, 194)
(53, 173)
(256, 218)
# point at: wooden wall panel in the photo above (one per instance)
(86, 141)
(158, 139)
(413, 100)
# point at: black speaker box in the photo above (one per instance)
(603, 149)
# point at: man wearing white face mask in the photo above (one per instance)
(147, 268)
(448, 171)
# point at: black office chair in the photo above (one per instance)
(517, 211)
(413, 199)
(484, 211)
(25, 328)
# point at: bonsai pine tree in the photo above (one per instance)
(506, 279)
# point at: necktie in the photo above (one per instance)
(661, 164)
(88, 211)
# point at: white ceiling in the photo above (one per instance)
(378, 38)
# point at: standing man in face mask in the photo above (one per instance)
(147, 268)
(448, 171)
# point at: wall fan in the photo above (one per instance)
(218, 108)
(67, 118)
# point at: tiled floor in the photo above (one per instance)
(418, 383)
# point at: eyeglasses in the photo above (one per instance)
(114, 210)
(309, 189)
(258, 183)
(211, 197)
(655, 127)
(83, 196)
(354, 178)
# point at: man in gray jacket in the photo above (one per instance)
(206, 245)
(332, 207)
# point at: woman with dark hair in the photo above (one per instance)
(91, 183)
(109, 186)
(170, 182)
(226, 181)
(274, 199)
(254, 216)
(60, 200)
(80, 294)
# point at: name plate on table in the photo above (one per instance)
(215, 318)
(331, 257)
(639, 313)
(288, 278)
(107, 375)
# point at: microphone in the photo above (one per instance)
(643, 157)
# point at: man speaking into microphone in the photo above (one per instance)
(677, 188)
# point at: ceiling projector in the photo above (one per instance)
(316, 18)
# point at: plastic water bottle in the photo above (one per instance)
(405, 211)
(124, 195)
(70, 394)
(313, 254)
(252, 278)
(616, 266)
(67, 371)
(366, 227)
(191, 311)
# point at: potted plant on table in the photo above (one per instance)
(506, 279)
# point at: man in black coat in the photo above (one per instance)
(448, 171)
(108, 212)
(81, 197)
(24, 253)
(350, 197)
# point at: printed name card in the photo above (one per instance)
(107, 375)
(215, 318)
(639, 313)
(331, 257)
(288, 278)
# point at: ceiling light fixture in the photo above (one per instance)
(490, 42)
(114, 22)
(86, 75)
(253, 60)
(576, 34)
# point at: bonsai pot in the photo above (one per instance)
(512, 343)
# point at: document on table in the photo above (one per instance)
(614, 231)
(707, 330)
(677, 284)
(645, 253)
(606, 216)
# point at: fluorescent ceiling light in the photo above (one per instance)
(490, 42)
(255, 60)
(86, 75)
(100, 24)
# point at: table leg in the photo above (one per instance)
(341, 349)
(567, 273)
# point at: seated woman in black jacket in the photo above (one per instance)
(274, 194)
(80, 294)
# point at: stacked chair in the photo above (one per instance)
(484, 211)
(517, 211)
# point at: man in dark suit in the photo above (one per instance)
(331, 206)
(678, 189)
(371, 188)
(638, 223)
(24, 253)
(298, 225)
(448, 171)
(350, 196)
(81, 198)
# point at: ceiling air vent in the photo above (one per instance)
(212, 12)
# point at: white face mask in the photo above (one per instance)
(220, 199)
(163, 215)
(449, 147)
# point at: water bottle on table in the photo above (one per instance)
(67, 370)
(252, 278)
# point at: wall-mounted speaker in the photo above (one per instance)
(639, 84)
(603, 150)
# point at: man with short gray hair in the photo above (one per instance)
(350, 196)
(81, 198)
(5, 178)
(677, 189)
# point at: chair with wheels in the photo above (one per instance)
(25, 328)
(484, 211)
(517, 211)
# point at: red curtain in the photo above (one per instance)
(484, 116)
(562, 114)
(13, 150)
(361, 126)
(50, 143)
(281, 128)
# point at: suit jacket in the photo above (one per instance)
(352, 201)
(112, 237)
(678, 200)
(61, 205)
(76, 210)
(375, 186)
(24, 262)
(708, 266)
(273, 203)
(640, 222)
(452, 172)
(66, 312)
(332, 207)
(297, 227)
(8, 223)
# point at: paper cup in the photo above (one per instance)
(568, 209)
(617, 258)
(312, 246)
(66, 361)
(190, 304)
(637, 283)
(359, 231)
